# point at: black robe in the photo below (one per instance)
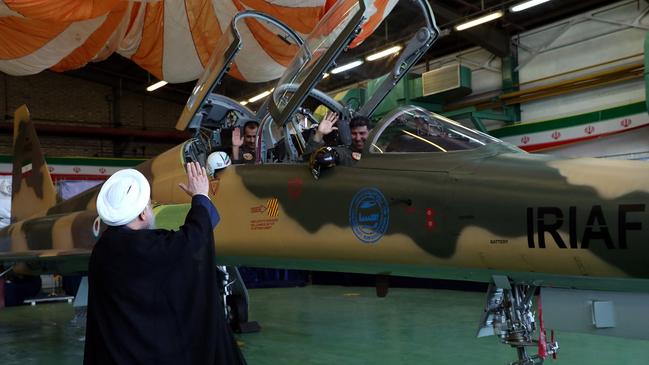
(154, 297)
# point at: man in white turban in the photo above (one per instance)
(153, 294)
(124, 197)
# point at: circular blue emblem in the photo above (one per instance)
(369, 215)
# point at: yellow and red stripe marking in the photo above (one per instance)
(272, 207)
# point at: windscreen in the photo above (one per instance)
(255, 53)
(205, 84)
(316, 45)
(362, 67)
(415, 130)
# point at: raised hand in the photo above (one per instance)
(326, 126)
(237, 139)
(197, 181)
(237, 142)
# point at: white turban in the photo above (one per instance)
(123, 197)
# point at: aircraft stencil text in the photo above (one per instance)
(551, 220)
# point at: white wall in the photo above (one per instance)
(560, 47)
(577, 43)
(627, 146)
(609, 37)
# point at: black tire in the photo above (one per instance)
(238, 311)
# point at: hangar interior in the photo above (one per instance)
(565, 78)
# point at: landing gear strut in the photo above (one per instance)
(509, 314)
(235, 300)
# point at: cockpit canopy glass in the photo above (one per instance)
(316, 45)
(415, 130)
(214, 66)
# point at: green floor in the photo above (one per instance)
(329, 325)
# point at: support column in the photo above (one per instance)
(510, 83)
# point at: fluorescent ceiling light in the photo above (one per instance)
(527, 5)
(384, 53)
(243, 102)
(325, 75)
(480, 20)
(259, 97)
(157, 85)
(346, 67)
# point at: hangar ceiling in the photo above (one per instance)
(122, 73)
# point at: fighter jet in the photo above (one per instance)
(427, 197)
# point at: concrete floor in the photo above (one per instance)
(329, 325)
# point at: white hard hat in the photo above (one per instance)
(217, 161)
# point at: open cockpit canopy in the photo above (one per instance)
(298, 100)
(303, 93)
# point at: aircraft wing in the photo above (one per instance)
(170, 216)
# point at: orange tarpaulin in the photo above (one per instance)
(170, 39)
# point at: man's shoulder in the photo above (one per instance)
(124, 234)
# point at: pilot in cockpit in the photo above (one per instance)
(243, 147)
(324, 157)
(346, 155)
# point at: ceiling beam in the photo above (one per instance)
(486, 36)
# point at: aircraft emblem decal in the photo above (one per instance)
(271, 209)
(295, 187)
(258, 209)
(27, 168)
(369, 215)
(214, 186)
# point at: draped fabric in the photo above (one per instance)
(171, 39)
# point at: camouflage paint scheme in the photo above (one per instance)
(467, 215)
(478, 201)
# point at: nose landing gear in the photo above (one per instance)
(509, 314)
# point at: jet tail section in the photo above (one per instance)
(32, 188)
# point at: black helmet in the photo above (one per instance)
(324, 157)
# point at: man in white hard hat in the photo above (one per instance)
(153, 293)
